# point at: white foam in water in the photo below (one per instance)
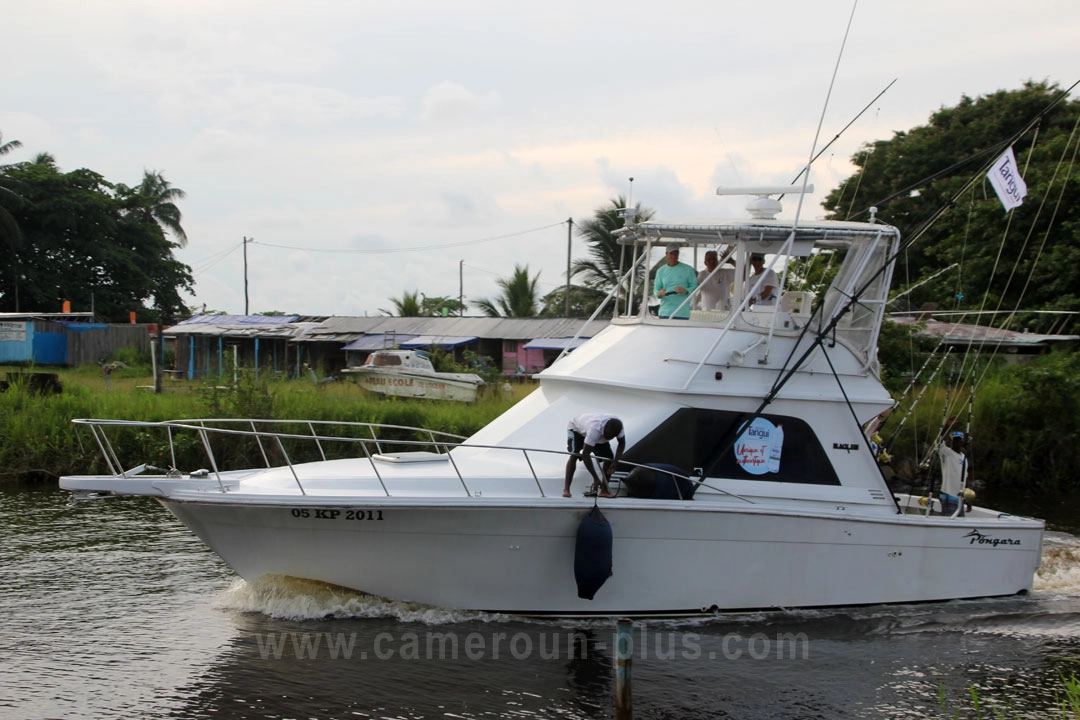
(296, 599)
(1060, 571)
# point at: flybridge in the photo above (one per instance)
(864, 273)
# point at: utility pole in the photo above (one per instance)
(569, 236)
(461, 288)
(246, 241)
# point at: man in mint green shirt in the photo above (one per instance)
(674, 282)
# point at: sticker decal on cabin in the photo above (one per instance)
(758, 450)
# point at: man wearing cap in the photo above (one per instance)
(674, 282)
(715, 293)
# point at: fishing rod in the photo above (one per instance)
(965, 466)
(837, 136)
(791, 364)
(923, 282)
(786, 372)
(918, 398)
(993, 150)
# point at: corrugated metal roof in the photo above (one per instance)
(446, 342)
(554, 343)
(239, 320)
(481, 327)
(981, 334)
(348, 329)
(378, 341)
(66, 317)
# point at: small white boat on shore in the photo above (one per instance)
(410, 373)
(781, 502)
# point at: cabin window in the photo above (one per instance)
(770, 448)
(386, 360)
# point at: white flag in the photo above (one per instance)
(1005, 177)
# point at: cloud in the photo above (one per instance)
(451, 103)
(265, 105)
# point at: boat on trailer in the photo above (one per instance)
(754, 413)
(410, 373)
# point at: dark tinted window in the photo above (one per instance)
(721, 443)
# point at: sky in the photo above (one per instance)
(372, 149)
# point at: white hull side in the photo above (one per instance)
(668, 559)
(404, 384)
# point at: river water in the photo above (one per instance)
(113, 609)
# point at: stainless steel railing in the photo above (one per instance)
(268, 431)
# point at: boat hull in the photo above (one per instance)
(669, 559)
(402, 384)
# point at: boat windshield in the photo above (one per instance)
(800, 259)
(383, 360)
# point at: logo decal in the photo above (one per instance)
(977, 538)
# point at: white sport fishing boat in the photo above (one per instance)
(780, 502)
(409, 373)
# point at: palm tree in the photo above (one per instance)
(600, 271)
(519, 296)
(10, 234)
(9, 229)
(155, 200)
(407, 306)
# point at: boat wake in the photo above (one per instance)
(289, 598)
(1060, 571)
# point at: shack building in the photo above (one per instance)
(294, 346)
(71, 339)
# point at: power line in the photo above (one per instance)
(209, 262)
(388, 251)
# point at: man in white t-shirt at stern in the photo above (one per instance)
(591, 435)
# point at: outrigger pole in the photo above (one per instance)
(787, 373)
(789, 369)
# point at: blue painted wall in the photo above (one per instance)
(50, 349)
(18, 351)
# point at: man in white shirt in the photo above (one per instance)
(769, 291)
(591, 434)
(714, 293)
(953, 471)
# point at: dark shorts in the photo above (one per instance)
(575, 443)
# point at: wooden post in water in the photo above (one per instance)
(624, 653)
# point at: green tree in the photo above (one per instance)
(10, 235)
(583, 302)
(81, 243)
(915, 173)
(440, 306)
(600, 270)
(154, 201)
(518, 298)
(416, 304)
(408, 305)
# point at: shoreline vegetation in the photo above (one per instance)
(1024, 420)
(39, 443)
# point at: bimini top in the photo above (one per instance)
(831, 234)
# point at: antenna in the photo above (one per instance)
(761, 206)
(628, 213)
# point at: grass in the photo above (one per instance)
(39, 443)
(1067, 702)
